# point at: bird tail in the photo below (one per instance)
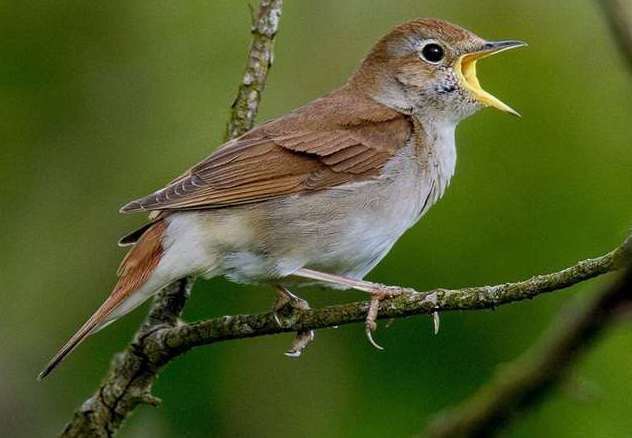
(134, 273)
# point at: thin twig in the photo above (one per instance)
(619, 16)
(265, 25)
(131, 375)
(522, 384)
(186, 336)
(525, 382)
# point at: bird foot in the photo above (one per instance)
(300, 342)
(380, 294)
(286, 304)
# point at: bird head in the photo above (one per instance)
(428, 67)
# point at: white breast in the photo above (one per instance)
(441, 156)
(346, 230)
(354, 226)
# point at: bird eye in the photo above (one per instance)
(433, 53)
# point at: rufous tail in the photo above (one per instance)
(133, 272)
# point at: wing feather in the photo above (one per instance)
(332, 141)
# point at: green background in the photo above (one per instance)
(101, 102)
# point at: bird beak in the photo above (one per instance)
(466, 70)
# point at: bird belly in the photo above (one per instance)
(349, 232)
(344, 230)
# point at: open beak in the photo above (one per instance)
(466, 70)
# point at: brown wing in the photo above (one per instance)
(334, 140)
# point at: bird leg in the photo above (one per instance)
(288, 302)
(377, 291)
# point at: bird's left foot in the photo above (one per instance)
(379, 294)
(285, 304)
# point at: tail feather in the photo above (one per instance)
(90, 326)
(133, 273)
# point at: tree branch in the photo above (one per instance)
(265, 25)
(162, 337)
(522, 384)
(132, 373)
(176, 340)
(526, 381)
(130, 378)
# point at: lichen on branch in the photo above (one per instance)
(132, 372)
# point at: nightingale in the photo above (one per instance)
(321, 194)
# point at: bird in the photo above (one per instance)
(319, 195)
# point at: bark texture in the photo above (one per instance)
(265, 24)
(132, 372)
(522, 384)
(163, 336)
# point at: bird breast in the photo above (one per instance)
(344, 230)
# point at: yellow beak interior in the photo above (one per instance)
(466, 70)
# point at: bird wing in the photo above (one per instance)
(334, 140)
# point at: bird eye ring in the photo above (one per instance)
(432, 53)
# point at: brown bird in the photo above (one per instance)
(321, 194)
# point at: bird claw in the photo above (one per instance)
(300, 342)
(436, 321)
(374, 306)
(369, 336)
(285, 304)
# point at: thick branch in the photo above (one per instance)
(525, 382)
(131, 375)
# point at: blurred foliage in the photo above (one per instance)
(101, 102)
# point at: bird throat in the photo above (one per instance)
(435, 150)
